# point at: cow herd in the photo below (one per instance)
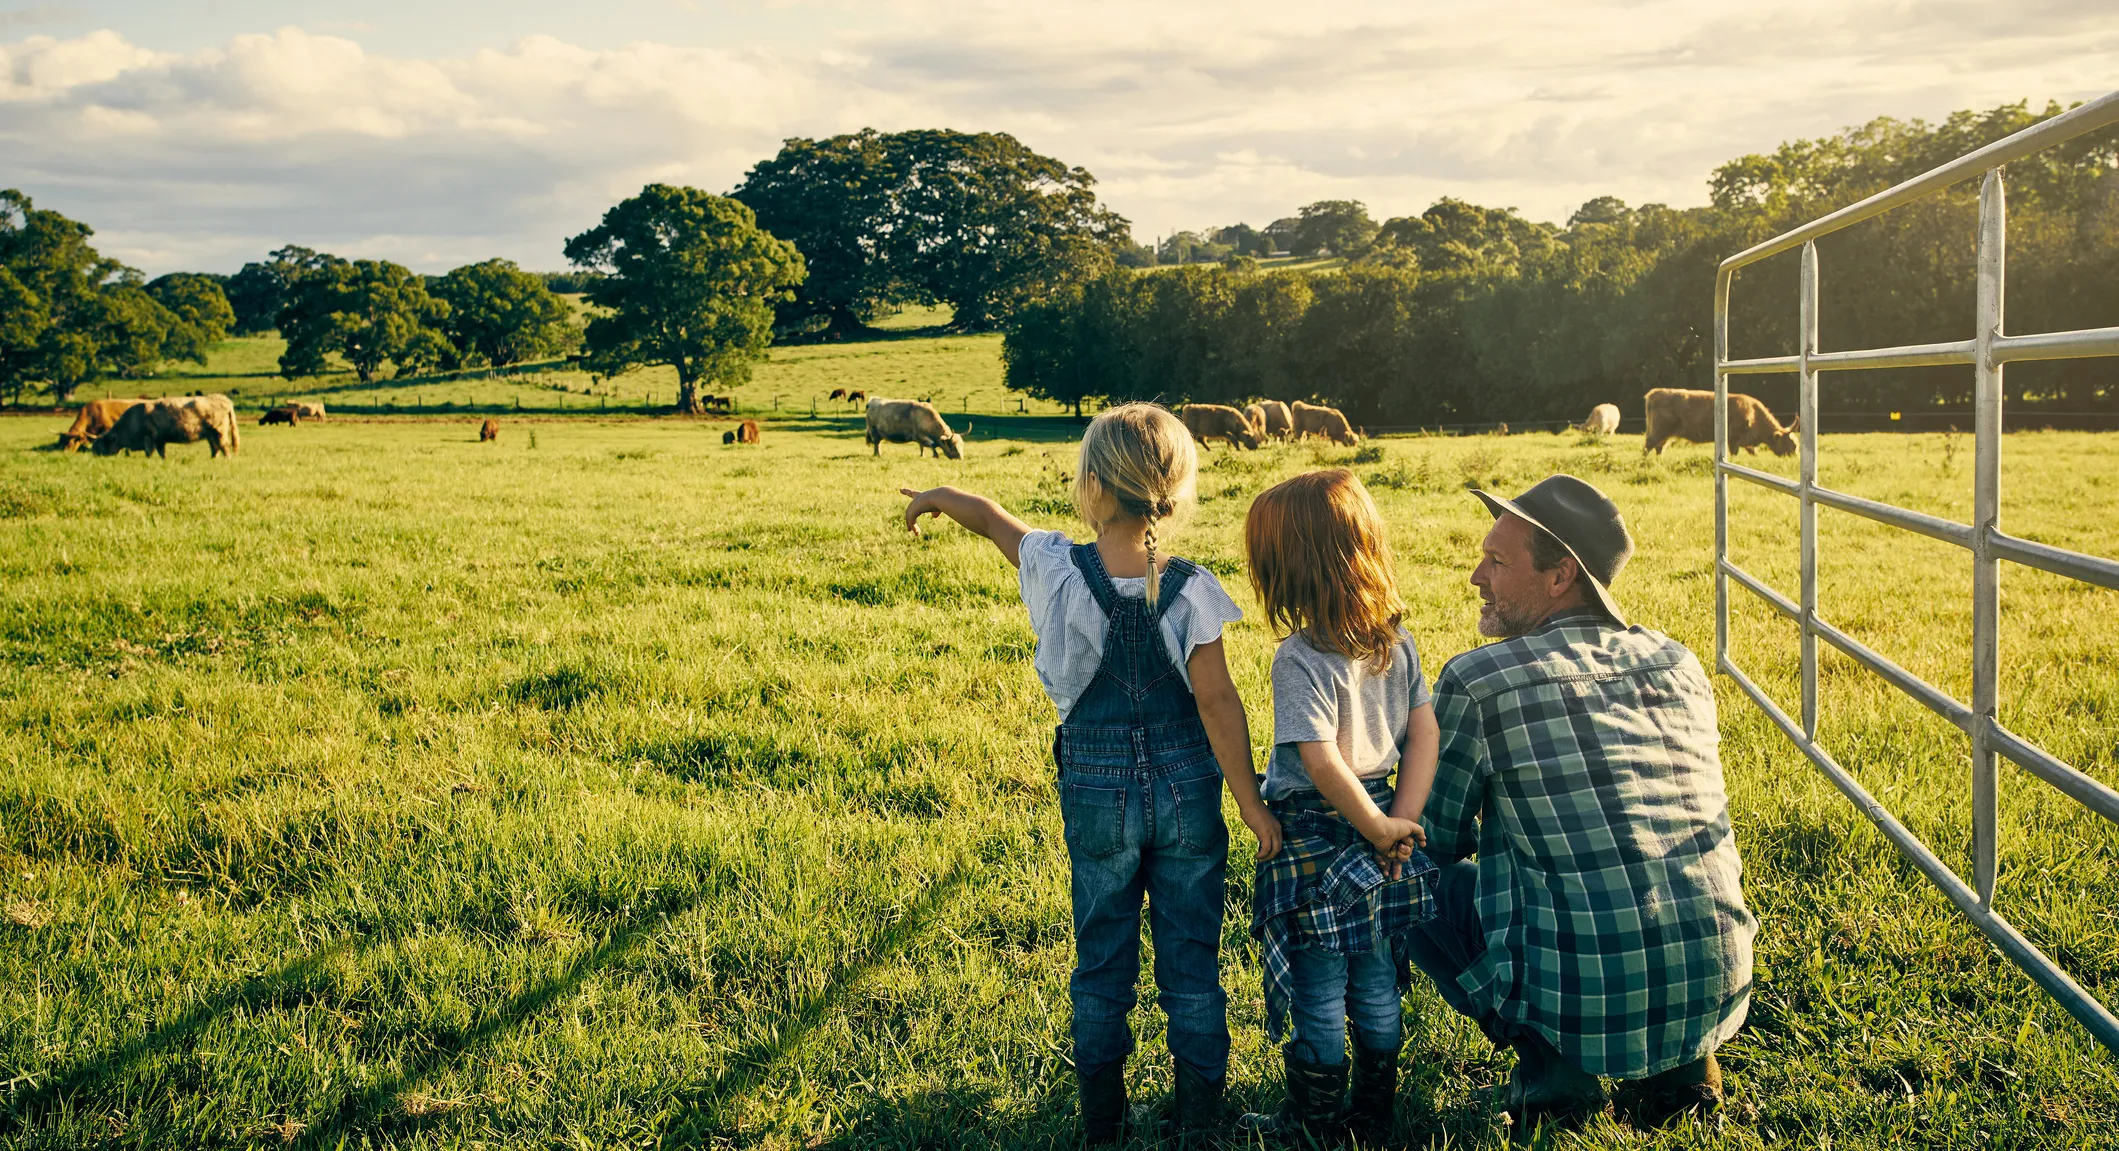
(112, 426)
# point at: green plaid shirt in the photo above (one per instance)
(1579, 763)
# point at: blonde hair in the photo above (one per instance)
(1322, 566)
(1141, 458)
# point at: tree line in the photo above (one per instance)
(1470, 314)
(817, 241)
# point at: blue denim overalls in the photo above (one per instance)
(1141, 795)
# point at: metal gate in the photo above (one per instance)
(1985, 352)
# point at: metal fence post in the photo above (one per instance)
(1806, 415)
(1723, 280)
(1986, 513)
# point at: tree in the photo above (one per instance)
(1244, 240)
(1079, 343)
(260, 290)
(691, 281)
(504, 315)
(73, 315)
(977, 221)
(370, 312)
(831, 199)
(1341, 226)
(200, 307)
(23, 320)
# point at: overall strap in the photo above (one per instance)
(1176, 574)
(1091, 566)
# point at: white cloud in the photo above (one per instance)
(1190, 114)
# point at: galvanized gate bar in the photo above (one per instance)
(1986, 353)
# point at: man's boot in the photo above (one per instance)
(1374, 1095)
(1313, 1107)
(1545, 1087)
(1694, 1088)
(1195, 1105)
(1103, 1094)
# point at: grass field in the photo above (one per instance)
(605, 786)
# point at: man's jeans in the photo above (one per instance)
(1446, 946)
(1157, 832)
(1333, 991)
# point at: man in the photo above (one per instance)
(1602, 930)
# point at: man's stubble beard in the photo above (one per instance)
(1500, 623)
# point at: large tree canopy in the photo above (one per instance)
(690, 281)
(503, 315)
(976, 221)
(370, 312)
(260, 290)
(69, 315)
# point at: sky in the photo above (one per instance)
(200, 134)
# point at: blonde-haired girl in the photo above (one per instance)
(1129, 648)
(1349, 704)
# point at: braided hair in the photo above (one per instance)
(1143, 460)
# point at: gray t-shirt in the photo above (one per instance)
(1324, 697)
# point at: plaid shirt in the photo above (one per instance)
(1579, 762)
(1326, 890)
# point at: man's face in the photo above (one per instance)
(1514, 596)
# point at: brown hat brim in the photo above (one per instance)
(1497, 505)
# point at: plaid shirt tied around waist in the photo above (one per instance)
(1326, 890)
(1581, 764)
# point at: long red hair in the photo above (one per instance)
(1321, 564)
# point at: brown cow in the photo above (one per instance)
(1318, 420)
(913, 422)
(1685, 414)
(152, 425)
(287, 415)
(94, 418)
(747, 432)
(857, 397)
(1255, 415)
(308, 409)
(490, 430)
(1219, 422)
(722, 404)
(1279, 422)
(837, 394)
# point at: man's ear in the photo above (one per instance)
(1565, 574)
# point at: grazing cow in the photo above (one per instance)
(1685, 414)
(728, 438)
(838, 394)
(152, 425)
(1255, 415)
(288, 415)
(857, 397)
(308, 409)
(722, 404)
(912, 422)
(94, 418)
(1318, 420)
(1603, 420)
(747, 432)
(488, 431)
(1219, 422)
(1279, 422)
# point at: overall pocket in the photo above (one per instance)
(1200, 827)
(1095, 818)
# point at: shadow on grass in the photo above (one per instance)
(252, 994)
(700, 1118)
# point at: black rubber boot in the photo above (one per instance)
(1103, 1093)
(1546, 1088)
(1195, 1106)
(1315, 1104)
(1693, 1088)
(1374, 1095)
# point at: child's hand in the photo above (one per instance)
(1393, 837)
(923, 504)
(1267, 828)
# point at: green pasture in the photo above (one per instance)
(961, 375)
(606, 786)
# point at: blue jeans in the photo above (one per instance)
(1334, 992)
(1157, 832)
(1447, 945)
